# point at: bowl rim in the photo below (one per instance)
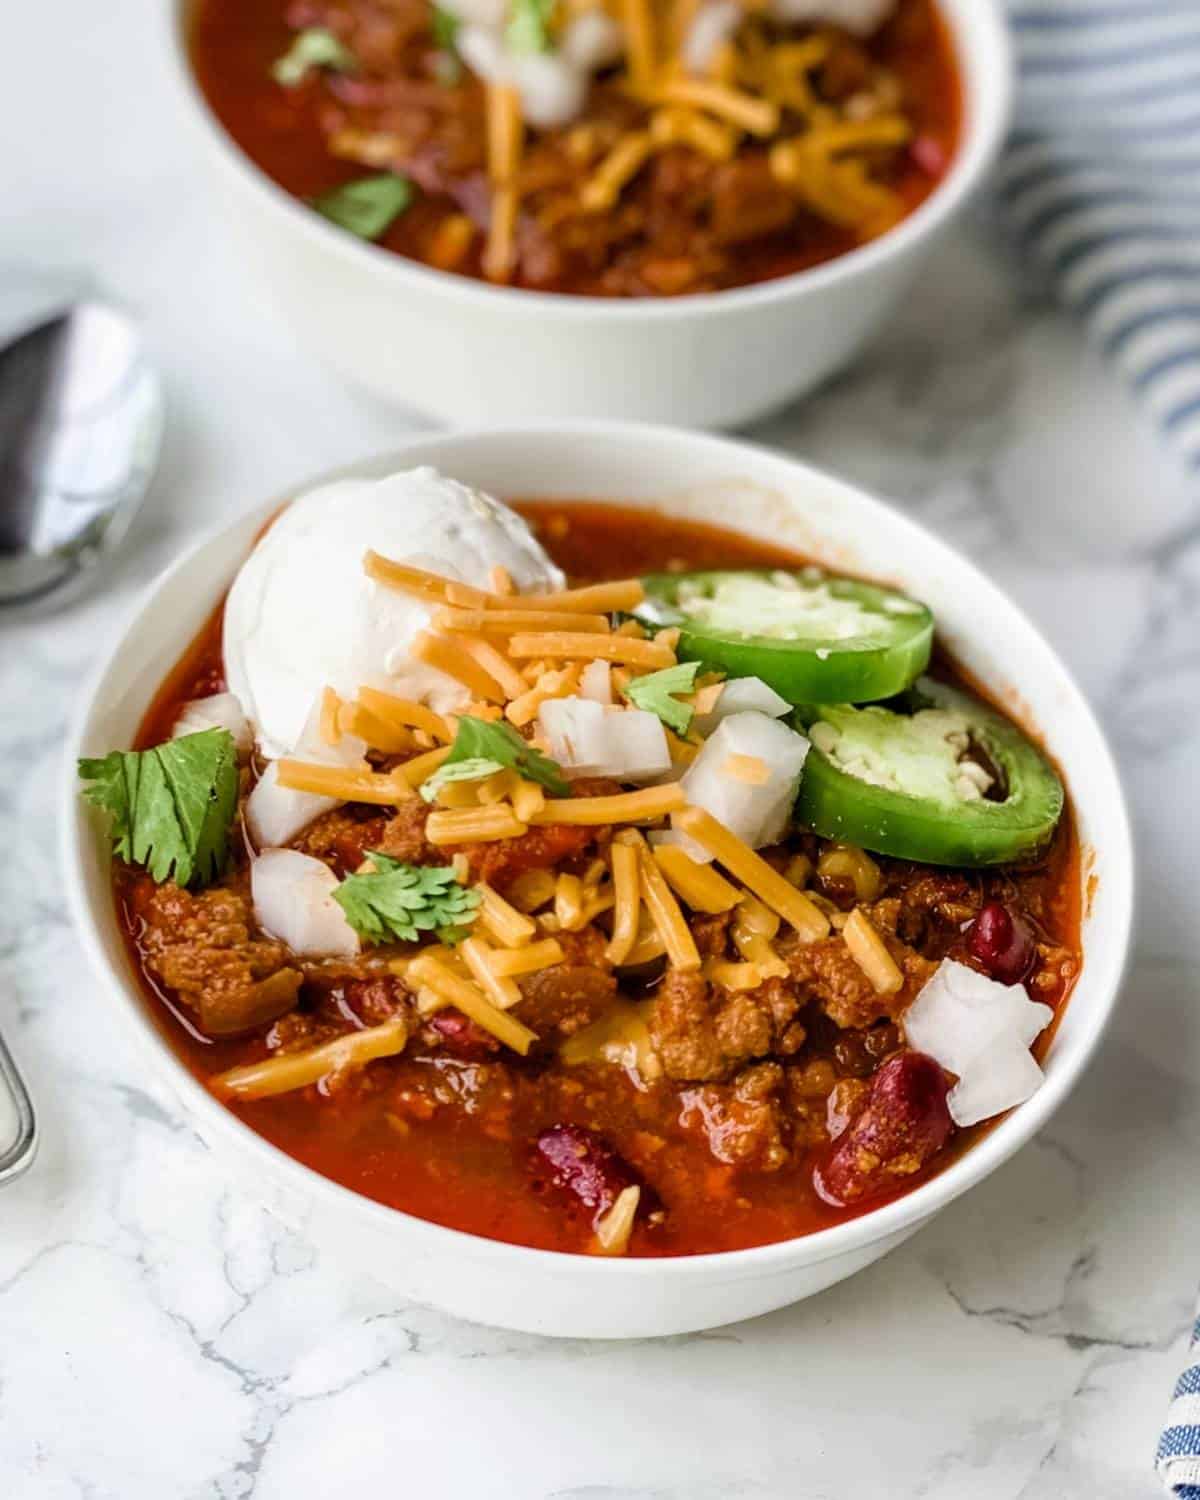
(984, 53)
(903, 1213)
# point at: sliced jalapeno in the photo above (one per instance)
(948, 782)
(813, 637)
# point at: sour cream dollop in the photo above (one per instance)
(302, 614)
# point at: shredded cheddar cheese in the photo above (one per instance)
(621, 165)
(508, 963)
(471, 1000)
(502, 920)
(751, 770)
(676, 935)
(622, 807)
(650, 655)
(344, 783)
(330, 707)
(604, 598)
(404, 711)
(449, 656)
(870, 953)
(758, 116)
(754, 872)
(699, 885)
(472, 825)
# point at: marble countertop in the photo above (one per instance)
(161, 1335)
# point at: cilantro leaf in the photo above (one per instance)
(478, 740)
(396, 902)
(313, 48)
(654, 693)
(474, 769)
(171, 806)
(445, 29)
(367, 206)
(528, 28)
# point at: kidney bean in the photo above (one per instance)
(583, 1163)
(1001, 943)
(460, 1036)
(373, 1001)
(903, 1123)
(929, 155)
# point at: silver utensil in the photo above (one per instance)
(18, 1126)
(81, 416)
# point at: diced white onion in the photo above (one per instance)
(960, 1012)
(742, 695)
(712, 26)
(758, 815)
(483, 52)
(641, 752)
(589, 739)
(591, 41)
(975, 1027)
(552, 91)
(595, 682)
(1007, 1077)
(293, 901)
(218, 711)
(276, 814)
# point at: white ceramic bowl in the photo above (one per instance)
(468, 352)
(764, 495)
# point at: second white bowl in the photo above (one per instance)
(465, 351)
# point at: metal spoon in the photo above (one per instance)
(18, 1127)
(81, 416)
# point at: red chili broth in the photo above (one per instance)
(445, 1169)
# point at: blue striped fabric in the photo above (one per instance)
(1178, 1456)
(1101, 186)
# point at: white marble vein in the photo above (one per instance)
(164, 1335)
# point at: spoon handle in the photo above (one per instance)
(18, 1125)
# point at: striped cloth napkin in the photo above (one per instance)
(1101, 185)
(1101, 188)
(1178, 1456)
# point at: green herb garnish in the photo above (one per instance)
(368, 206)
(445, 29)
(396, 902)
(171, 806)
(528, 28)
(312, 49)
(654, 693)
(474, 769)
(500, 743)
(447, 67)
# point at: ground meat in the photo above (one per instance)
(404, 836)
(299, 1032)
(745, 1122)
(711, 934)
(828, 974)
(498, 862)
(539, 849)
(930, 905)
(566, 997)
(341, 838)
(200, 946)
(748, 200)
(702, 1032)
